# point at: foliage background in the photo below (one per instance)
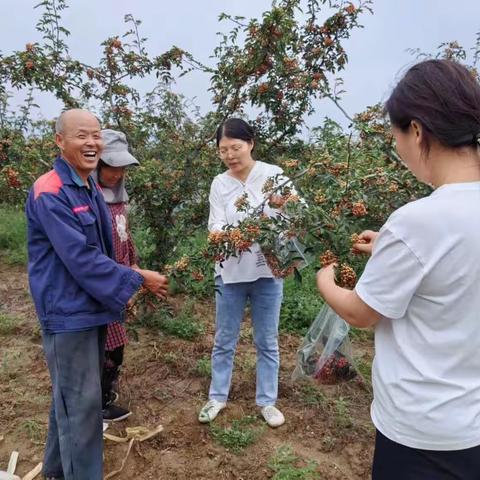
(269, 70)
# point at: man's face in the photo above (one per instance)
(81, 142)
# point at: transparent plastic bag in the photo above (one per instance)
(325, 354)
(288, 255)
(292, 248)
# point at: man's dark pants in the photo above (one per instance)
(74, 448)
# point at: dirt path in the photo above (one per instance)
(163, 384)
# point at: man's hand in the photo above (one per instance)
(154, 282)
(369, 237)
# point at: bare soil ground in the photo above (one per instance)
(162, 383)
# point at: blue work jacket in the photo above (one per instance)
(74, 280)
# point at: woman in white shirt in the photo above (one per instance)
(420, 288)
(244, 278)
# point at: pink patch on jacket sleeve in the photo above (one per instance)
(50, 182)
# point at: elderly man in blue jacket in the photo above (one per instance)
(77, 289)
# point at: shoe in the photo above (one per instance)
(273, 416)
(210, 411)
(114, 413)
(110, 397)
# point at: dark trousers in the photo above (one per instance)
(111, 372)
(392, 461)
(74, 448)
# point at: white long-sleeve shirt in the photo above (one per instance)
(224, 191)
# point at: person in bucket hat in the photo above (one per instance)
(110, 175)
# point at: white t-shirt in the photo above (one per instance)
(424, 278)
(225, 190)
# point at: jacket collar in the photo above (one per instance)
(68, 174)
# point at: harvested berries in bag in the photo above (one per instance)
(326, 352)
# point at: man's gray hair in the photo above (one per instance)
(59, 123)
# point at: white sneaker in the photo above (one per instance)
(273, 416)
(210, 411)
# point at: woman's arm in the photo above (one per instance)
(216, 218)
(346, 303)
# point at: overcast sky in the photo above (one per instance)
(377, 53)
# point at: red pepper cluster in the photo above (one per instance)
(337, 368)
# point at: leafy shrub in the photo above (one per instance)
(143, 239)
(177, 158)
(197, 282)
(301, 303)
(154, 319)
(279, 65)
(184, 325)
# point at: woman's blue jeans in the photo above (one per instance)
(265, 295)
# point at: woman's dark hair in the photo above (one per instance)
(444, 97)
(235, 128)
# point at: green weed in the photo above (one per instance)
(182, 327)
(154, 319)
(328, 443)
(185, 325)
(343, 418)
(171, 358)
(361, 334)
(8, 323)
(247, 362)
(311, 395)
(34, 430)
(188, 329)
(203, 367)
(240, 435)
(10, 364)
(364, 366)
(13, 235)
(246, 333)
(285, 465)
